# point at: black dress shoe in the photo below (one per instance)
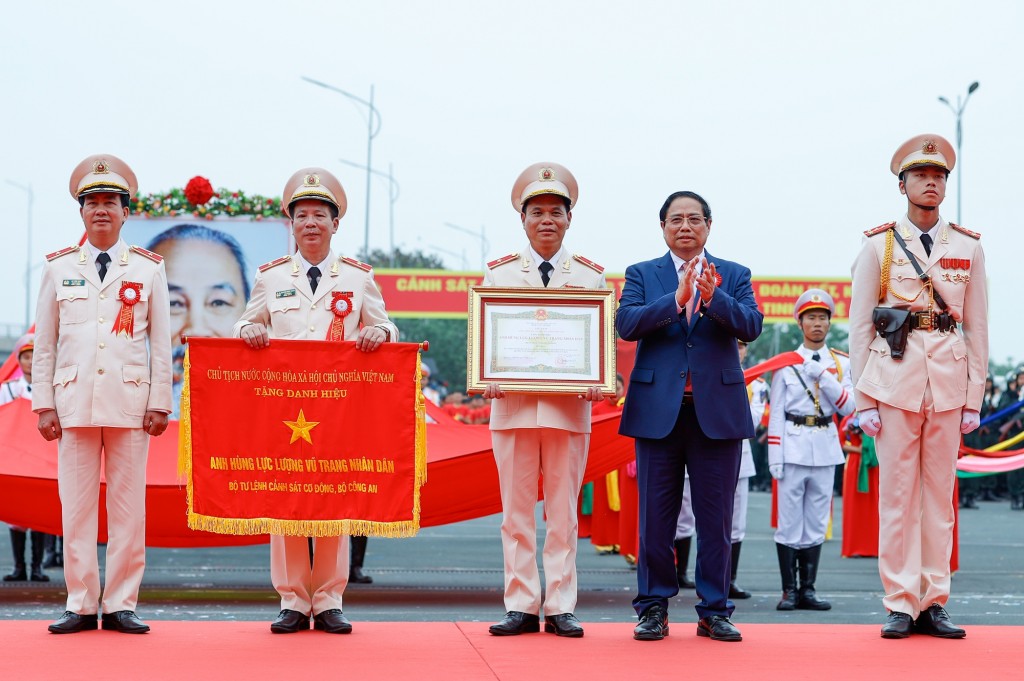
(935, 622)
(289, 622)
(357, 576)
(738, 592)
(718, 628)
(1017, 503)
(808, 600)
(653, 624)
(516, 623)
(565, 624)
(124, 621)
(897, 625)
(37, 575)
(788, 601)
(332, 621)
(684, 581)
(72, 623)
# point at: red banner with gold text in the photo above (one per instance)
(306, 438)
(444, 294)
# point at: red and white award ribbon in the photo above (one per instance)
(341, 306)
(131, 293)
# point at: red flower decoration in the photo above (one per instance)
(198, 190)
(718, 279)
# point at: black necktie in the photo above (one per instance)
(314, 277)
(926, 241)
(816, 357)
(545, 271)
(103, 260)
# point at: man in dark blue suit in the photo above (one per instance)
(687, 409)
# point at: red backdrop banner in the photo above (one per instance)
(303, 438)
(443, 294)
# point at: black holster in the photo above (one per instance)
(892, 324)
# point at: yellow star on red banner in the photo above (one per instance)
(301, 427)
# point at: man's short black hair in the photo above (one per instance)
(705, 208)
(125, 199)
(330, 206)
(567, 202)
(904, 172)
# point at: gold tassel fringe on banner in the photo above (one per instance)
(302, 528)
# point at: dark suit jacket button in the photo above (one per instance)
(682, 374)
(689, 345)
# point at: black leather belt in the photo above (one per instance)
(815, 421)
(688, 398)
(930, 321)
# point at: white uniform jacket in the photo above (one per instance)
(80, 367)
(809, 445)
(517, 410)
(283, 301)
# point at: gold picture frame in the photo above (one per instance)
(542, 341)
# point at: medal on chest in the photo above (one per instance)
(130, 294)
(341, 306)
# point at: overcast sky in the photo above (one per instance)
(784, 115)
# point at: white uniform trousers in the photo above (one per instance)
(123, 459)
(304, 589)
(686, 524)
(522, 456)
(805, 502)
(917, 470)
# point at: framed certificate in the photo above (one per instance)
(538, 340)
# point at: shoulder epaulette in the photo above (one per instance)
(502, 260)
(964, 230)
(155, 257)
(355, 263)
(274, 263)
(589, 263)
(881, 228)
(63, 251)
(840, 353)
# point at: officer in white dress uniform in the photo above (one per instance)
(804, 449)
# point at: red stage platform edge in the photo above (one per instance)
(465, 651)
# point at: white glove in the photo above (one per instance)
(969, 420)
(870, 422)
(813, 370)
(776, 470)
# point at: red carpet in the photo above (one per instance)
(464, 651)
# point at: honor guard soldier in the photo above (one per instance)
(304, 296)
(919, 354)
(535, 434)
(804, 448)
(101, 384)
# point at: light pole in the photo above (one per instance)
(28, 252)
(394, 190)
(958, 111)
(462, 255)
(481, 234)
(373, 123)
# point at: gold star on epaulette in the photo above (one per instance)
(880, 229)
(274, 263)
(61, 252)
(357, 264)
(502, 260)
(964, 230)
(155, 257)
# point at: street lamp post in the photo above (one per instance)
(28, 252)
(394, 191)
(481, 234)
(958, 111)
(373, 123)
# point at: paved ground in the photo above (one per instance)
(454, 573)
